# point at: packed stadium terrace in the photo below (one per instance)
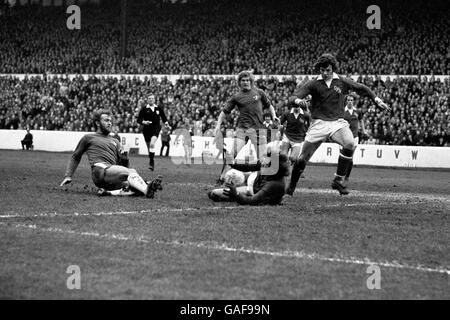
(227, 36)
(224, 37)
(419, 116)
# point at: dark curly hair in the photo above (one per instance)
(244, 74)
(325, 60)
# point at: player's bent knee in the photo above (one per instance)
(300, 163)
(350, 145)
(348, 152)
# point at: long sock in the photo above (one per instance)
(344, 161)
(137, 182)
(297, 170)
(349, 170)
(152, 157)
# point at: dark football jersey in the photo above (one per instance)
(99, 149)
(327, 103)
(353, 120)
(250, 104)
(265, 191)
(296, 127)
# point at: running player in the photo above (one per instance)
(150, 117)
(108, 173)
(327, 113)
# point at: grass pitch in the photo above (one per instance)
(180, 245)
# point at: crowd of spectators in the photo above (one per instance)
(420, 114)
(223, 37)
(227, 36)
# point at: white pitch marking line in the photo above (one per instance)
(380, 194)
(118, 213)
(225, 247)
(165, 210)
(359, 193)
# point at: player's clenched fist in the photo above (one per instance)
(381, 104)
(301, 102)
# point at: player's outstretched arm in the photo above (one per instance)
(274, 114)
(294, 100)
(302, 91)
(381, 104)
(259, 198)
(219, 123)
(246, 167)
(365, 91)
(74, 160)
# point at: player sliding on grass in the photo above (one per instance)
(109, 170)
(327, 113)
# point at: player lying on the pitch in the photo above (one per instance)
(254, 188)
(110, 171)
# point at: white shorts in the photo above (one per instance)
(321, 130)
(291, 143)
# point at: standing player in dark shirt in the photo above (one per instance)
(327, 113)
(269, 125)
(250, 101)
(354, 119)
(293, 127)
(150, 117)
(108, 173)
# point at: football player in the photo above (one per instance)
(327, 112)
(354, 119)
(250, 101)
(260, 189)
(293, 126)
(108, 171)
